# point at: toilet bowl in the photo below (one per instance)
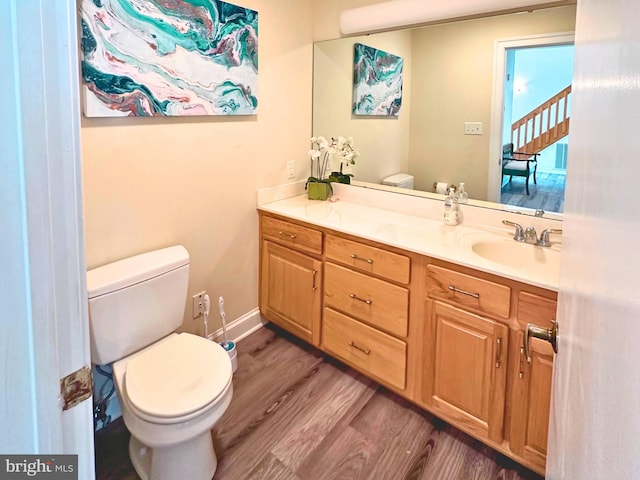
(170, 407)
(172, 387)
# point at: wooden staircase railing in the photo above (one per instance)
(544, 125)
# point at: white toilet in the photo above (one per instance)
(172, 387)
(400, 180)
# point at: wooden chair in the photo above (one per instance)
(519, 164)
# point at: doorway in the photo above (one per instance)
(530, 73)
(535, 76)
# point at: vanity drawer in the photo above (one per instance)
(468, 291)
(375, 353)
(536, 309)
(295, 236)
(369, 259)
(373, 301)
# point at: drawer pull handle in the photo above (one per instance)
(464, 292)
(292, 236)
(313, 286)
(368, 260)
(498, 351)
(355, 297)
(366, 351)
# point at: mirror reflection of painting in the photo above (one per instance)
(377, 82)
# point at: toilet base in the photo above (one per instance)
(194, 459)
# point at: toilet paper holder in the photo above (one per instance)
(443, 187)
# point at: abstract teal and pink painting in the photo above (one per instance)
(168, 58)
(377, 82)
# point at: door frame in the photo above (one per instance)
(46, 332)
(494, 181)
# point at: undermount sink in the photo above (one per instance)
(517, 255)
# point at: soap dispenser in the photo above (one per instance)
(451, 210)
(463, 196)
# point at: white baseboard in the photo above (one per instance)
(241, 327)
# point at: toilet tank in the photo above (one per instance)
(136, 301)
(400, 180)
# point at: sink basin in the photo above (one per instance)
(522, 256)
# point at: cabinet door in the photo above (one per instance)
(465, 373)
(291, 291)
(531, 403)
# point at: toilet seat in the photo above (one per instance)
(177, 378)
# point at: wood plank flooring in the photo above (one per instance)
(547, 194)
(299, 415)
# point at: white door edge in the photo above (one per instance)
(47, 312)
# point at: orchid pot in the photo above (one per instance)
(324, 155)
(319, 189)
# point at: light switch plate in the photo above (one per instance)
(291, 169)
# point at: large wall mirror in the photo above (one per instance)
(448, 79)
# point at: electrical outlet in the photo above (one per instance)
(473, 128)
(291, 169)
(198, 304)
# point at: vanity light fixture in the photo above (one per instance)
(405, 13)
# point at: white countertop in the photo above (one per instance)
(457, 244)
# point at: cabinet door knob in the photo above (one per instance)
(548, 334)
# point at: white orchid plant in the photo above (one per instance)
(326, 154)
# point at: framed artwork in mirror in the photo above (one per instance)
(377, 82)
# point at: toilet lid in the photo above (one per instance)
(178, 376)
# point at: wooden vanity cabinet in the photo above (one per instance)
(531, 397)
(291, 281)
(446, 337)
(366, 315)
(465, 371)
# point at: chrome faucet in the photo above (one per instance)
(519, 235)
(529, 234)
(544, 236)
